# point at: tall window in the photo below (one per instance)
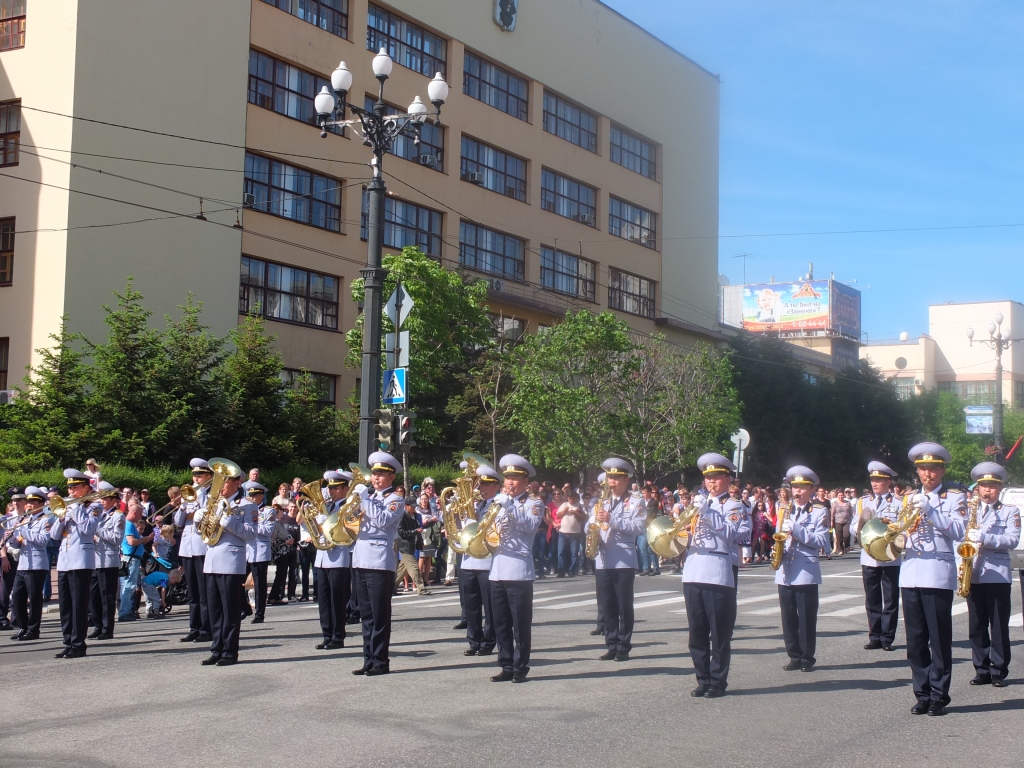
(294, 193)
(971, 392)
(508, 328)
(498, 171)
(630, 151)
(287, 293)
(632, 222)
(568, 274)
(330, 15)
(326, 384)
(406, 224)
(568, 197)
(431, 138)
(492, 252)
(630, 293)
(5, 346)
(495, 86)
(10, 132)
(569, 122)
(407, 44)
(12, 24)
(1018, 394)
(905, 388)
(6, 252)
(285, 89)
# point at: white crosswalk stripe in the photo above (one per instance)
(1017, 620)
(593, 600)
(959, 608)
(841, 613)
(823, 601)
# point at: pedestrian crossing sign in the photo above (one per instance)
(395, 392)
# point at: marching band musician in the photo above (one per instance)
(988, 602)
(109, 534)
(75, 562)
(881, 578)
(334, 570)
(192, 554)
(709, 581)
(512, 573)
(257, 549)
(599, 629)
(800, 574)
(928, 579)
(33, 567)
(375, 564)
(622, 518)
(224, 570)
(474, 579)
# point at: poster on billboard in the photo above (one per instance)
(786, 306)
(845, 310)
(979, 419)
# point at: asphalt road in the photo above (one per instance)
(143, 698)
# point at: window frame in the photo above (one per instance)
(619, 297)
(5, 361)
(563, 127)
(506, 158)
(960, 389)
(307, 297)
(10, 140)
(287, 196)
(648, 235)
(402, 223)
(304, 16)
(396, 44)
(519, 265)
(586, 289)
(509, 328)
(431, 136)
(12, 24)
(550, 197)
(617, 149)
(289, 375)
(515, 105)
(257, 85)
(7, 231)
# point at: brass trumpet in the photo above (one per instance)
(191, 492)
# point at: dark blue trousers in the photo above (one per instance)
(709, 612)
(512, 602)
(928, 622)
(475, 589)
(375, 589)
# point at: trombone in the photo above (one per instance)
(13, 523)
(190, 493)
(59, 505)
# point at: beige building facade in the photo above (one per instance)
(947, 360)
(575, 166)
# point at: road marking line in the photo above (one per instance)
(666, 601)
(960, 608)
(843, 612)
(1017, 620)
(593, 601)
(448, 598)
(577, 604)
(763, 611)
(837, 598)
(845, 574)
(759, 599)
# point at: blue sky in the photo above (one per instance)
(865, 116)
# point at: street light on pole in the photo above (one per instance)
(998, 342)
(379, 133)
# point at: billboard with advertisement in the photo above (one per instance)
(806, 305)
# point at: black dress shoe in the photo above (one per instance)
(333, 646)
(257, 620)
(622, 656)
(469, 652)
(210, 661)
(190, 637)
(105, 637)
(485, 652)
(714, 693)
(321, 646)
(699, 691)
(874, 645)
(35, 636)
(227, 661)
(981, 680)
(806, 667)
(997, 682)
(607, 656)
(888, 647)
(793, 666)
(501, 677)
(62, 654)
(374, 671)
(94, 634)
(74, 653)
(519, 677)
(204, 638)
(920, 708)
(460, 625)
(361, 670)
(936, 709)
(596, 632)
(20, 634)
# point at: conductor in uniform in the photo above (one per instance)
(334, 569)
(109, 534)
(621, 518)
(192, 554)
(33, 566)
(881, 578)
(988, 602)
(512, 573)
(474, 578)
(799, 575)
(374, 562)
(75, 562)
(709, 581)
(928, 579)
(224, 569)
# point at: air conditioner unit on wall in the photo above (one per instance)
(495, 284)
(428, 160)
(474, 178)
(6, 395)
(585, 218)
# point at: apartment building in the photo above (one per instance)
(575, 165)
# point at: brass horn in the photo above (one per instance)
(342, 527)
(884, 541)
(666, 537)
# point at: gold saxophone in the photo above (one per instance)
(209, 527)
(342, 527)
(968, 550)
(779, 547)
(458, 510)
(312, 505)
(593, 541)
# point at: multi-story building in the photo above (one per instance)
(575, 165)
(947, 360)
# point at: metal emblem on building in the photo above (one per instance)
(505, 13)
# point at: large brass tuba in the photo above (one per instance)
(458, 508)
(593, 540)
(312, 505)
(666, 536)
(209, 527)
(481, 539)
(967, 550)
(342, 527)
(779, 547)
(884, 541)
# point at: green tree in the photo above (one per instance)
(319, 434)
(448, 326)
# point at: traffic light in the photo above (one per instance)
(385, 428)
(406, 428)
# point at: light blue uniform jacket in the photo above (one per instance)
(800, 564)
(76, 534)
(929, 559)
(517, 526)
